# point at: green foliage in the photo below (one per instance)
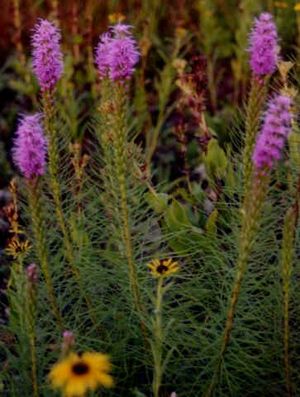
(215, 160)
(123, 199)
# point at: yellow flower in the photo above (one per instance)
(297, 7)
(76, 374)
(163, 267)
(17, 248)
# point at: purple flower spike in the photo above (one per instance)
(263, 45)
(47, 56)
(123, 57)
(117, 53)
(275, 130)
(30, 147)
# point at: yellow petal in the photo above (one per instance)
(59, 374)
(75, 389)
(98, 361)
(105, 380)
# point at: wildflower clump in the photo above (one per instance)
(77, 374)
(30, 147)
(47, 56)
(275, 130)
(263, 46)
(117, 53)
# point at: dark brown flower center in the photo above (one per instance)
(161, 269)
(80, 368)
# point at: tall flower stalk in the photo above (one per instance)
(31, 297)
(29, 154)
(287, 250)
(53, 154)
(39, 235)
(48, 68)
(20, 319)
(157, 346)
(121, 167)
(287, 255)
(21, 288)
(160, 269)
(116, 56)
(268, 148)
(120, 163)
(263, 62)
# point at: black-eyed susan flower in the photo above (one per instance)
(163, 267)
(77, 374)
(17, 248)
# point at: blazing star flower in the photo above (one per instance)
(163, 267)
(275, 130)
(123, 57)
(263, 45)
(77, 374)
(47, 56)
(30, 147)
(117, 53)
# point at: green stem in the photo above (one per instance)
(286, 340)
(38, 226)
(288, 241)
(24, 315)
(53, 163)
(158, 339)
(33, 366)
(53, 153)
(31, 309)
(251, 211)
(114, 142)
(121, 163)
